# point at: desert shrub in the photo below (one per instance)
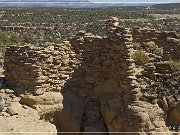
(4, 38)
(152, 48)
(2, 48)
(174, 64)
(140, 57)
(14, 38)
(29, 38)
(137, 45)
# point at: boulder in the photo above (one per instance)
(27, 120)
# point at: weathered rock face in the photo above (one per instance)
(174, 117)
(17, 118)
(88, 84)
(27, 122)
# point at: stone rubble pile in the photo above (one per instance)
(6, 98)
(164, 86)
(172, 48)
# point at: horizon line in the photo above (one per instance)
(82, 2)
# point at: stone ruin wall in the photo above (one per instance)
(36, 70)
(76, 70)
(96, 78)
(169, 41)
(159, 68)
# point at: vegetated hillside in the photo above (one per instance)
(44, 3)
(57, 24)
(66, 22)
(169, 6)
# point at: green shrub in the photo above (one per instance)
(137, 45)
(4, 38)
(2, 48)
(174, 64)
(140, 57)
(29, 38)
(14, 39)
(153, 48)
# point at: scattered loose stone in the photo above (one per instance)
(24, 106)
(172, 101)
(2, 104)
(154, 101)
(165, 104)
(2, 91)
(5, 114)
(11, 112)
(8, 91)
(16, 99)
(39, 91)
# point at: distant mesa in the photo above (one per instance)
(35, 1)
(42, 3)
(63, 3)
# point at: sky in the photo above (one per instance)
(136, 1)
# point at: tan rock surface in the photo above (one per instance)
(26, 122)
(45, 102)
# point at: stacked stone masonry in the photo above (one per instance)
(96, 77)
(168, 40)
(37, 70)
